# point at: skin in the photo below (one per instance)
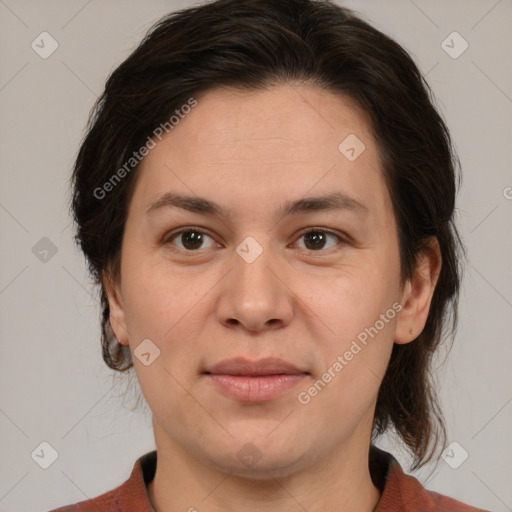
(250, 152)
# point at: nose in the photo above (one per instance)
(255, 294)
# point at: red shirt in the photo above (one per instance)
(399, 492)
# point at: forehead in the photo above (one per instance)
(298, 116)
(283, 141)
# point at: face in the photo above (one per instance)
(267, 344)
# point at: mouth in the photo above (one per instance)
(254, 381)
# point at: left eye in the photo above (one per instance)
(192, 239)
(316, 238)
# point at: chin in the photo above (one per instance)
(260, 458)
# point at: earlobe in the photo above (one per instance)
(417, 294)
(116, 306)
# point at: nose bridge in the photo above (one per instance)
(254, 294)
(252, 265)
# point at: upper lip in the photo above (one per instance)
(265, 366)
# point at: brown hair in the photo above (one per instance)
(254, 44)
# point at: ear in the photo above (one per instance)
(117, 313)
(417, 294)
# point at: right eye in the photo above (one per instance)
(191, 239)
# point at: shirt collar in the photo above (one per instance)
(399, 491)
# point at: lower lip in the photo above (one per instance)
(254, 389)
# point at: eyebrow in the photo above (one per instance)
(329, 202)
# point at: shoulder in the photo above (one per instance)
(403, 492)
(107, 502)
(446, 504)
(127, 497)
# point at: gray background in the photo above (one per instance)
(54, 384)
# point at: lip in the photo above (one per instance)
(254, 381)
(265, 366)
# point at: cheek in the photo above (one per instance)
(153, 298)
(358, 311)
(353, 365)
(350, 299)
(167, 311)
(168, 307)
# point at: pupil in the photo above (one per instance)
(192, 239)
(317, 238)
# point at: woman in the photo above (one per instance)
(265, 196)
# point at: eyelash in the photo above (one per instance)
(167, 240)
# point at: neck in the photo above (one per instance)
(338, 481)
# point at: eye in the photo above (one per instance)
(316, 238)
(191, 239)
